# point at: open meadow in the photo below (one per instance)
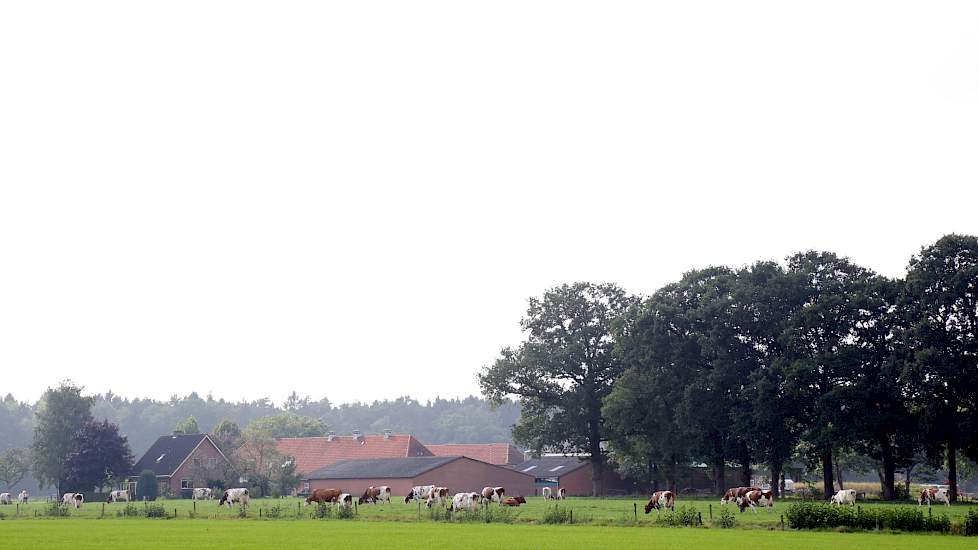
(271, 523)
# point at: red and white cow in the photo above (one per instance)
(374, 494)
(735, 493)
(437, 495)
(661, 500)
(75, 499)
(493, 494)
(753, 499)
(934, 494)
(845, 496)
(465, 501)
(323, 496)
(514, 501)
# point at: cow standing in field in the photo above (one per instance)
(845, 496)
(374, 494)
(934, 494)
(465, 501)
(118, 496)
(561, 494)
(493, 494)
(734, 493)
(661, 500)
(5, 498)
(23, 497)
(345, 500)
(235, 496)
(547, 493)
(419, 492)
(75, 499)
(437, 495)
(514, 501)
(753, 499)
(203, 493)
(323, 496)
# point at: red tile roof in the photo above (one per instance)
(493, 453)
(312, 453)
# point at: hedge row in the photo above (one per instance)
(817, 515)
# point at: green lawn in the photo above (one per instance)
(602, 511)
(207, 534)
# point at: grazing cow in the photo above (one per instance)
(561, 494)
(419, 492)
(845, 496)
(661, 500)
(514, 501)
(547, 493)
(344, 500)
(465, 501)
(493, 494)
(75, 499)
(235, 496)
(735, 493)
(5, 498)
(934, 494)
(373, 494)
(118, 496)
(323, 496)
(753, 499)
(22, 497)
(437, 495)
(203, 493)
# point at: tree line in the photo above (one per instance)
(814, 357)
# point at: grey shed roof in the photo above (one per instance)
(168, 453)
(393, 468)
(550, 466)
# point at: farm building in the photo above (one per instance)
(314, 453)
(569, 472)
(493, 453)
(458, 473)
(177, 459)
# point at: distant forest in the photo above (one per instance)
(468, 420)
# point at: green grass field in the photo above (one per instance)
(606, 523)
(213, 534)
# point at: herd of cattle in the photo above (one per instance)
(431, 495)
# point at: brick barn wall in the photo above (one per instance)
(578, 482)
(465, 475)
(204, 451)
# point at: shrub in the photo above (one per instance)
(727, 519)
(242, 511)
(131, 510)
(154, 511)
(322, 511)
(812, 515)
(274, 512)
(56, 510)
(345, 512)
(146, 488)
(684, 516)
(556, 514)
(971, 524)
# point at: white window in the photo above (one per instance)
(186, 484)
(305, 487)
(211, 462)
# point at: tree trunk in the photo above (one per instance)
(906, 478)
(776, 485)
(952, 471)
(745, 466)
(597, 474)
(719, 477)
(838, 475)
(889, 468)
(597, 459)
(828, 483)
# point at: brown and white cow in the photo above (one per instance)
(661, 500)
(514, 501)
(465, 501)
(934, 494)
(547, 493)
(374, 494)
(118, 496)
(735, 493)
(493, 494)
(561, 494)
(753, 499)
(324, 496)
(437, 495)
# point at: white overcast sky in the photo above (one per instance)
(355, 199)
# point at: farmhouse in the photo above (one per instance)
(458, 473)
(493, 453)
(313, 453)
(569, 472)
(177, 459)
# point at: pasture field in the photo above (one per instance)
(601, 511)
(214, 534)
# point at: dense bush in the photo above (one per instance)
(322, 511)
(971, 524)
(727, 519)
(130, 510)
(812, 515)
(556, 514)
(55, 509)
(684, 516)
(154, 511)
(146, 488)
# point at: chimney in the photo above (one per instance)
(330, 436)
(387, 434)
(357, 434)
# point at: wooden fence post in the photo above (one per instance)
(102, 515)
(635, 510)
(572, 516)
(711, 511)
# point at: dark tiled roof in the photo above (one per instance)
(550, 466)
(166, 455)
(493, 453)
(393, 468)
